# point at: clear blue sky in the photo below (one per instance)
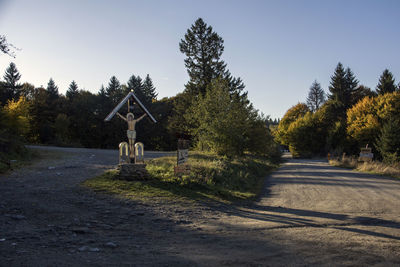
(278, 48)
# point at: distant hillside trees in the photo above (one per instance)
(43, 115)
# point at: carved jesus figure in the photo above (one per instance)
(131, 133)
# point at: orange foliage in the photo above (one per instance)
(364, 119)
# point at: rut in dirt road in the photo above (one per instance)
(310, 214)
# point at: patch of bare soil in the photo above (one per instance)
(310, 214)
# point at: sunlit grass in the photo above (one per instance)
(374, 167)
(211, 177)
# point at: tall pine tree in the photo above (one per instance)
(135, 84)
(52, 90)
(11, 86)
(203, 49)
(351, 88)
(316, 97)
(149, 89)
(386, 83)
(114, 90)
(342, 88)
(72, 90)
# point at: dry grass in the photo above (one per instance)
(375, 167)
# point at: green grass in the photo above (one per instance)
(211, 177)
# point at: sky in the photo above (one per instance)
(278, 48)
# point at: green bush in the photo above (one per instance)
(388, 142)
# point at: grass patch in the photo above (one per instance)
(212, 177)
(374, 167)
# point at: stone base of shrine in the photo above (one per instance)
(132, 172)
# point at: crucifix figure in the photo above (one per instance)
(131, 100)
(131, 133)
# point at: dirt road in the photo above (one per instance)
(310, 214)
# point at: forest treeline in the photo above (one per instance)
(349, 117)
(213, 110)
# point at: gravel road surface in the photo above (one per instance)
(310, 214)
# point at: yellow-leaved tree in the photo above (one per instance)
(294, 113)
(366, 119)
(16, 117)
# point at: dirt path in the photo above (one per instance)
(310, 214)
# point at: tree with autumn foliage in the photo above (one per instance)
(294, 113)
(366, 119)
(16, 117)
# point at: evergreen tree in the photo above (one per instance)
(388, 143)
(337, 86)
(149, 89)
(343, 88)
(316, 97)
(351, 87)
(223, 121)
(52, 90)
(72, 90)
(135, 84)
(102, 92)
(42, 114)
(203, 49)
(386, 83)
(11, 85)
(114, 90)
(362, 91)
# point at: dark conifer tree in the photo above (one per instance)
(114, 90)
(102, 92)
(386, 83)
(351, 88)
(135, 84)
(11, 85)
(316, 97)
(343, 87)
(338, 84)
(203, 49)
(72, 90)
(388, 143)
(362, 91)
(149, 89)
(52, 90)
